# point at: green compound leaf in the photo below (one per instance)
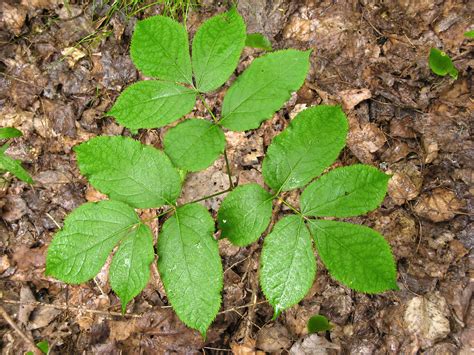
(318, 323)
(441, 64)
(190, 266)
(79, 250)
(345, 192)
(257, 40)
(129, 171)
(355, 255)
(216, 49)
(9, 132)
(263, 88)
(287, 264)
(130, 268)
(469, 34)
(194, 144)
(245, 214)
(152, 104)
(311, 143)
(160, 49)
(13, 166)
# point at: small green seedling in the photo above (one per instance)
(469, 34)
(318, 323)
(42, 345)
(441, 64)
(259, 41)
(137, 176)
(8, 164)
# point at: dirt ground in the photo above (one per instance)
(370, 57)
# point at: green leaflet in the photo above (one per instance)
(216, 49)
(257, 40)
(152, 104)
(287, 263)
(345, 192)
(263, 88)
(469, 34)
(190, 266)
(130, 268)
(355, 255)
(129, 171)
(310, 144)
(160, 49)
(194, 144)
(79, 250)
(245, 214)
(9, 132)
(441, 64)
(318, 323)
(13, 166)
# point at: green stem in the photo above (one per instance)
(214, 118)
(216, 122)
(229, 173)
(207, 197)
(158, 215)
(294, 209)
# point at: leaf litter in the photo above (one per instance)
(380, 48)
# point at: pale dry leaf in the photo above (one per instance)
(313, 345)
(351, 98)
(426, 318)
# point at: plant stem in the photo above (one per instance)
(227, 166)
(294, 209)
(214, 118)
(158, 215)
(206, 197)
(184, 204)
(216, 121)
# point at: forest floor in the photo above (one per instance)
(56, 83)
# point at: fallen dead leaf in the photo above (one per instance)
(14, 17)
(405, 184)
(426, 318)
(351, 98)
(313, 345)
(438, 205)
(72, 55)
(273, 337)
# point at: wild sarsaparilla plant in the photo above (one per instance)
(136, 176)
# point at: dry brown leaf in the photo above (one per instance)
(438, 205)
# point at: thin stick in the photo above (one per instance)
(26, 338)
(244, 306)
(72, 308)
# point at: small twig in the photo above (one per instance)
(237, 263)
(72, 308)
(53, 220)
(26, 338)
(240, 307)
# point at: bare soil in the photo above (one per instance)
(368, 56)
